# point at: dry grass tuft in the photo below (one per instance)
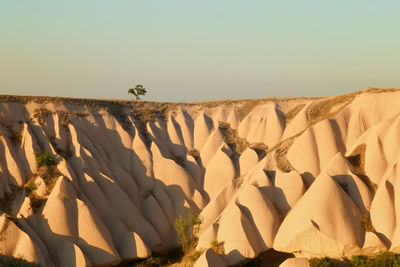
(293, 112)
(246, 108)
(40, 114)
(194, 153)
(218, 247)
(323, 109)
(64, 118)
(232, 138)
(30, 187)
(120, 114)
(49, 174)
(76, 114)
(366, 224)
(280, 155)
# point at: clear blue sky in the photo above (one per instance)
(183, 50)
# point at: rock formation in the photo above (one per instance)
(313, 177)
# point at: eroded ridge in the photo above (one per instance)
(96, 182)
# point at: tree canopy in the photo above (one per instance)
(138, 91)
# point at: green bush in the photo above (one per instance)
(217, 246)
(322, 262)
(195, 256)
(187, 230)
(385, 259)
(149, 262)
(14, 262)
(44, 159)
(357, 261)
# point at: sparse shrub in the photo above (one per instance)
(15, 262)
(357, 261)
(30, 187)
(195, 222)
(366, 224)
(217, 246)
(76, 114)
(386, 259)
(322, 262)
(293, 112)
(49, 174)
(41, 114)
(214, 243)
(259, 147)
(149, 262)
(187, 230)
(45, 159)
(195, 256)
(181, 227)
(194, 153)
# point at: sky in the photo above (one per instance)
(185, 50)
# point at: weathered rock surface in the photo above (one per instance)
(313, 177)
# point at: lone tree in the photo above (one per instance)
(137, 91)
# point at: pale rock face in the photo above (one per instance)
(373, 244)
(65, 218)
(216, 177)
(29, 147)
(211, 146)
(247, 161)
(382, 212)
(264, 124)
(289, 188)
(237, 235)
(295, 262)
(212, 211)
(300, 121)
(16, 243)
(261, 213)
(394, 193)
(128, 172)
(249, 221)
(202, 130)
(317, 145)
(186, 124)
(40, 187)
(325, 213)
(340, 170)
